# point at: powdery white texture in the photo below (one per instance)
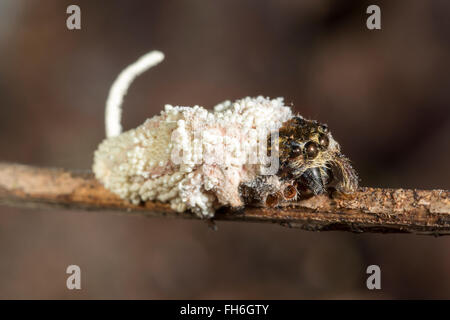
(189, 157)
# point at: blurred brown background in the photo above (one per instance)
(385, 95)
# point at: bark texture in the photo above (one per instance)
(367, 210)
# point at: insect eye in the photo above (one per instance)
(324, 127)
(311, 150)
(296, 149)
(324, 141)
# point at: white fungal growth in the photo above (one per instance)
(119, 88)
(190, 157)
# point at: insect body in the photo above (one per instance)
(311, 163)
(200, 160)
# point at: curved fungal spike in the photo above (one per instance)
(119, 88)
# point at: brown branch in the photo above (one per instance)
(368, 210)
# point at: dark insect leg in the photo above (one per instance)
(289, 192)
(273, 199)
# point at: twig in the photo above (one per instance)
(367, 210)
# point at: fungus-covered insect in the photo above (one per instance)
(251, 151)
(310, 164)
